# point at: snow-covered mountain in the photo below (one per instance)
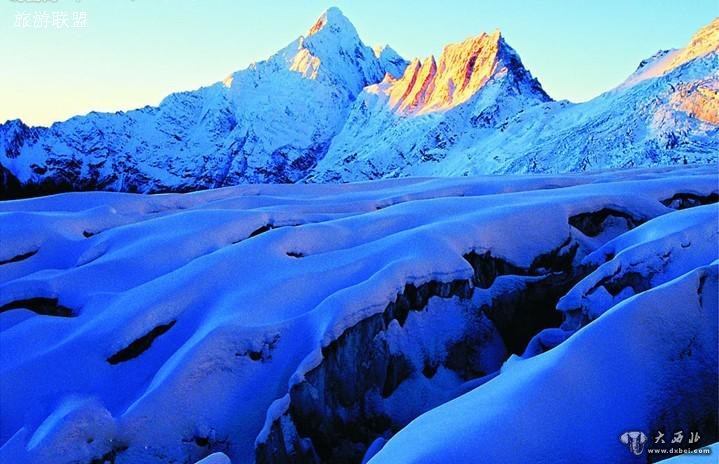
(517, 318)
(469, 113)
(423, 121)
(267, 123)
(329, 108)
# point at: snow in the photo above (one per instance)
(215, 458)
(266, 123)
(506, 125)
(237, 312)
(572, 403)
(704, 42)
(329, 108)
(659, 250)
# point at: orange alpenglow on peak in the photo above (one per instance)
(705, 41)
(332, 16)
(462, 70)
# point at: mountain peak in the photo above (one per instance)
(331, 19)
(461, 71)
(392, 63)
(704, 42)
(332, 51)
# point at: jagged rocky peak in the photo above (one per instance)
(332, 49)
(12, 136)
(391, 61)
(334, 21)
(461, 71)
(652, 59)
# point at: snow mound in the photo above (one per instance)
(165, 328)
(647, 364)
(653, 253)
(215, 458)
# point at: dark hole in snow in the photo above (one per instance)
(111, 456)
(592, 224)
(690, 200)
(295, 254)
(269, 227)
(21, 257)
(522, 313)
(262, 230)
(202, 441)
(40, 305)
(634, 280)
(429, 369)
(700, 288)
(87, 234)
(487, 268)
(263, 354)
(333, 413)
(398, 370)
(140, 345)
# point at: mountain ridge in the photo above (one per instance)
(329, 108)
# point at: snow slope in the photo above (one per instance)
(164, 328)
(329, 108)
(665, 113)
(653, 253)
(648, 364)
(267, 123)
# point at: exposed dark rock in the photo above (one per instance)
(262, 230)
(140, 345)
(20, 257)
(636, 281)
(690, 200)
(265, 353)
(333, 414)
(487, 268)
(111, 456)
(529, 307)
(399, 369)
(614, 284)
(200, 446)
(594, 223)
(40, 305)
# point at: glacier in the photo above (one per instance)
(397, 320)
(337, 255)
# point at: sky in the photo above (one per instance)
(109, 55)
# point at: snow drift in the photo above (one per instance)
(305, 323)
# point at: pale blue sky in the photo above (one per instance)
(134, 52)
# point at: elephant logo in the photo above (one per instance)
(634, 441)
